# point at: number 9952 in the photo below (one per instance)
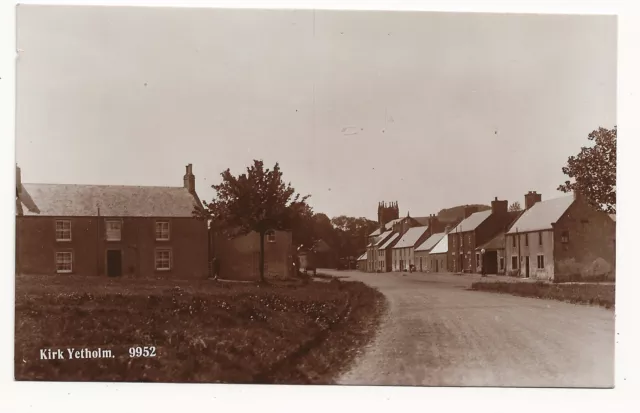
(142, 352)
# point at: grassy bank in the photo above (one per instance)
(594, 294)
(203, 331)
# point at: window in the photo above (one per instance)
(540, 238)
(514, 262)
(513, 241)
(162, 231)
(271, 236)
(564, 238)
(526, 240)
(163, 259)
(114, 230)
(540, 262)
(64, 262)
(63, 230)
(454, 242)
(477, 259)
(501, 263)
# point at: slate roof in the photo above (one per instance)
(382, 238)
(410, 237)
(472, 222)
(497, 243)
(422, 220)
(542, 215)
(363, 257)
(112, 200)
(389, 241)
(430, 242)
(441, 247)
(375, 233)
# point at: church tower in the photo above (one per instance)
(387, 212)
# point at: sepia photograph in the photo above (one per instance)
(333, 197)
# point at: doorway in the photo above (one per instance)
(114, 263)
(526, 266)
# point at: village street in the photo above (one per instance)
(438, 333)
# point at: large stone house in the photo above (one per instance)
(110, 230)
(560, 239)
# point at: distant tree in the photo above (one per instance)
(352, 233)
(594, 170)
(514, 207)
(258, 200)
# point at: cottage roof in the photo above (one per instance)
(382, 238)
(430, 242)
(541, 215)
(472, 222)
(391, 239)
(441, 247)
(107, 200)
(496, 243)
(363, 257)
(410, 238)
(612, 216)
(375, 233)
(422, 220)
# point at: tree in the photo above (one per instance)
(258, 200)
(352, 233)
(594, 170)
(514, 207)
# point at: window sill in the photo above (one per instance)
(163, 269)
(63, 240)
(162, 239)
(64, 272)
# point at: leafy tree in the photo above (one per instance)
(594, 170)
(515, 207)
(353, 233)
(258, 200)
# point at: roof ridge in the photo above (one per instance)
(107, 185)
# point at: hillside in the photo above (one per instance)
(457, 213)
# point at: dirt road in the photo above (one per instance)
(438, 333)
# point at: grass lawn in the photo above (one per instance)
(594, 294)
(203, 331)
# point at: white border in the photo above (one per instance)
(96, 397)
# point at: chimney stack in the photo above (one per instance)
(18, 179)
(531, 198)
(469, 210)
(499, 207)
(190, 179)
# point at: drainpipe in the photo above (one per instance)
(519, 254)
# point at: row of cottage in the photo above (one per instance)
(134, 231)
(557, 239)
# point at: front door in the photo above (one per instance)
(436, 265)
(526, 266)
(114, 263)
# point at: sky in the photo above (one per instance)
(431, 110)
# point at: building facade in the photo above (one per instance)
(561, 239)
(106, 230)
(239, 257)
